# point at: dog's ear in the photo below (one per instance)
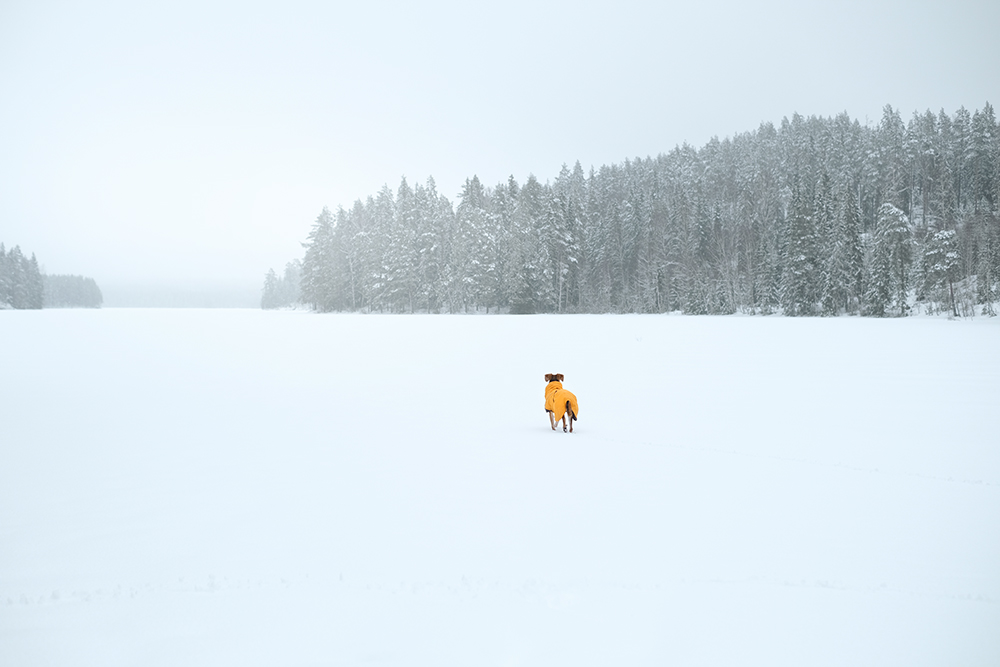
(559, 377)
(548, 377)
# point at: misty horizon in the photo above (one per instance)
(201, 141)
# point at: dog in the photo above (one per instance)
(559, 402)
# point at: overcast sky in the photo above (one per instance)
(195, 143)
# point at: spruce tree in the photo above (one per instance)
(892, 254)
(35, 285)
(845, 259)
(289, 283)
(269, 298)
(317, 266)
(6, 280)
(987, 262)
(17, 267)
(800, 288)
(942, 262)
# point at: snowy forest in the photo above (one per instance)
(71, 292)
(23, 285)
(281, 291)
(815, 216)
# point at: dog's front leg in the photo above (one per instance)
(552, 420)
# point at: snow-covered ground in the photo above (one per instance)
(241, 487)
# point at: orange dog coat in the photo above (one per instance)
(555, 400)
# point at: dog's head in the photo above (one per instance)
(553, 377)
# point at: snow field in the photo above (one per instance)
(207, 487)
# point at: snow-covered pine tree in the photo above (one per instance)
(6, 282)
(982, 160)
(504, 204)
(283, 291)
(801, 277)
(941, 261)
(289, 292)
(891, 258)
(318, 288)
(429, 220)
(378, 228)
(827, 246)
(438, 216)
(36, 286)
(987, 264)
(844, 260)
(941, 198)
(400, 253)
(532, 276)
(566, 218)
(597, 242)
(474, 250)
(17, 270)
(270, 298)
(576, 197)
(960, 148)
(894, 174)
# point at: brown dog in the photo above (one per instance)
(559, 402)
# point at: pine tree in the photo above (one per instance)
(532, 283)
(982, 159)
(474, 249)
(35, 285)
(942, 263)
(845, 260)
(801, 284)
(289, 283)
(890, 264)
(318, 288)
(270, 298)
(6, 281)
(960, 149)
(501, 220)
(828, 289)
(17, 270)
(987, 262)
(379, 223)
(890, 139)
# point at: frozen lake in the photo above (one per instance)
(241, 487)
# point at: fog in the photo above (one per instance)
(186, 149)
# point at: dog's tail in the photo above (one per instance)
(572, 415)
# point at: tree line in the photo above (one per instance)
(71, 292)
(23, 286)
(281, 291)
(813, 216)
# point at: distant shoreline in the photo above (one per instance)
(161, 296)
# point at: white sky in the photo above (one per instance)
(196, 142)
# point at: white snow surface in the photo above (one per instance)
(243, 487)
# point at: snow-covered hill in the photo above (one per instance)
(220, 487)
